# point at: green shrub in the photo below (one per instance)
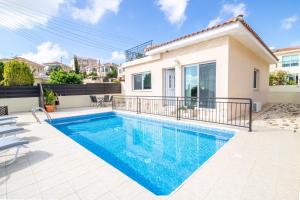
(92, 74)
(280, 77)
(112, 74)
(61, 77)
(17, 73)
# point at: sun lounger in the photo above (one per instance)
(8, 143)
(9, 129)
(7, 122)
(7, 117)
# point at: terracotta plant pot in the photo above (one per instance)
(50, 108)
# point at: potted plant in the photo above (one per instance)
(49, 100)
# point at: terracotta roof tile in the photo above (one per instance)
(230, 21)
(286, 49)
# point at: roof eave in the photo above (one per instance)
(218, 32)
(228, 29)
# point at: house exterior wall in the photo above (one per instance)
(242, 62)
(215, 50)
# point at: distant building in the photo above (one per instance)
(87, 64)
(51, 65)
(289, 62)
(37, 69)
(106, 68)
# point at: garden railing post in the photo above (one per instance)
(250, 115)
(177, 109)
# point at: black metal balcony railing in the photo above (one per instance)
(227, 111)
(137, 51)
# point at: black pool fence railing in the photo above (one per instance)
(227, 111)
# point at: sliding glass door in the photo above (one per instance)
(200, 82)
(191, 85)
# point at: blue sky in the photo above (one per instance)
(45, 31)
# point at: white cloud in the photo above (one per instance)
(235, 9)
(117, 57)
(174, 10)
(272, 48)
(17, 14)
(95, 10)
(289, 22)
(228, 11)
(46, 52)
(214, 22)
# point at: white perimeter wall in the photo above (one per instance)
(20, 104)
(26, 104)
(284, 94)
(77, 101)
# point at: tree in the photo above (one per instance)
(53, 68)
(61, 77)
(76, 65)
(17, 73)
(280, 77)
(1, 71)
(113, 73)
(92, 74)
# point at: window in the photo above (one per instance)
(255, 78)
(200, 82)
(293, 79)
(290, 61)
(142, 81)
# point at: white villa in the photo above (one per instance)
(226, 60)
(288, 61)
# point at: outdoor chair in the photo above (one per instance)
(9, 129)
(107, 99)
(8, 143)
(96, 101)
(7, 122)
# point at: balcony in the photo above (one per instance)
(137, 51)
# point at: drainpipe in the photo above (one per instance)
(178, 78)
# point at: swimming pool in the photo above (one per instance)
(158, 154)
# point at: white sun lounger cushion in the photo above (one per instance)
(6, 117)
(10, 142)
(7, 122)
(9, 129)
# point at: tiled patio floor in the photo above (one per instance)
(264, 165)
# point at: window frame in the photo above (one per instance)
(255, 79)
(143, 75)
(294, 76)
(290, 62)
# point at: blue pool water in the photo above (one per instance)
(158, 154)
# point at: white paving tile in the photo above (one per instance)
(93, 191)
(26, 192)
(264, 164)
(58, 191)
